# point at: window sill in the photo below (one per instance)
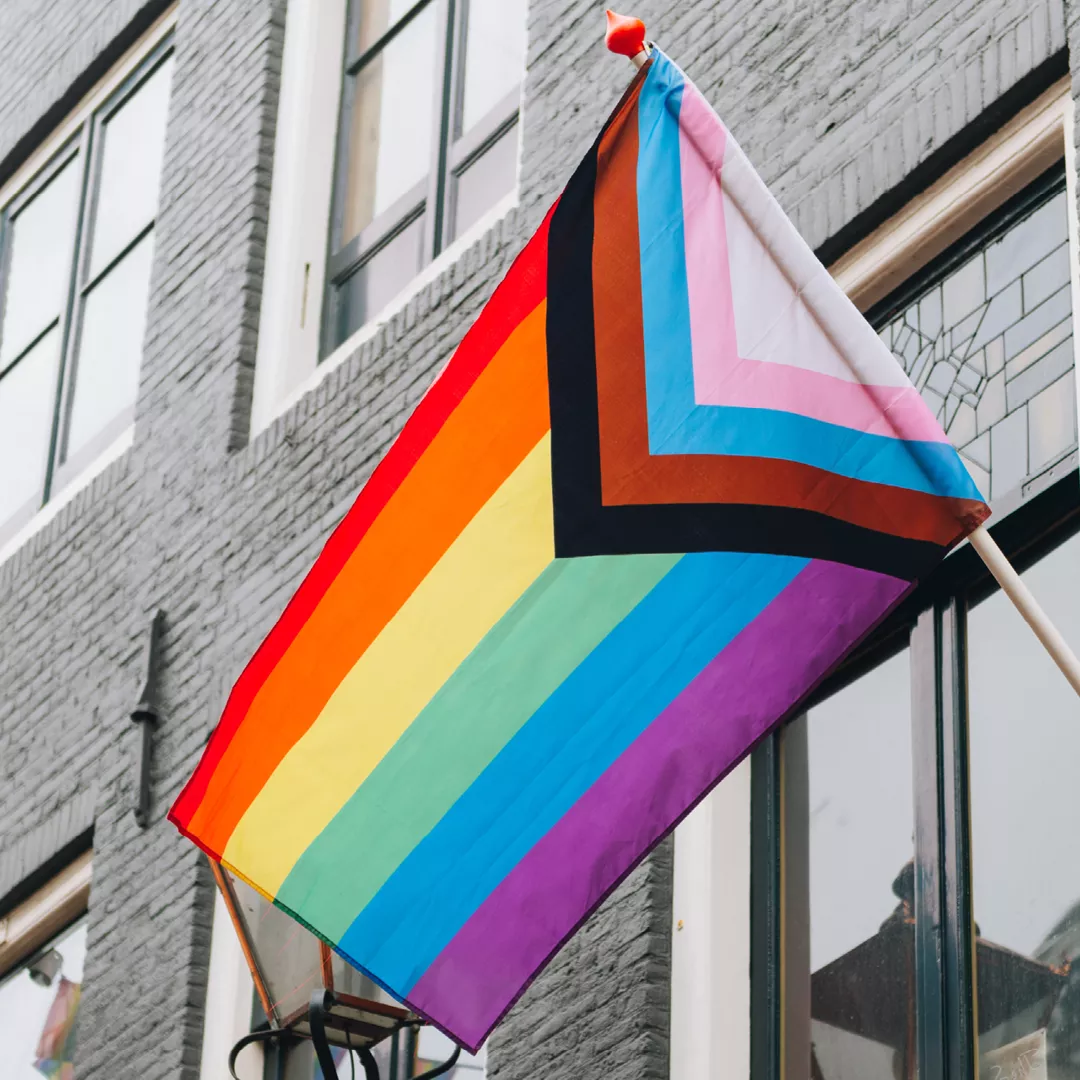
(116, 449)
(430, 273)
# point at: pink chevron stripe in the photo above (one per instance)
(721, 375)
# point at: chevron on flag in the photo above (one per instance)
(667, 481)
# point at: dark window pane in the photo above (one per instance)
(27, 402)
(375, 18)
(390, 130)
(379, 280)
(41, 238)
(110, 346)
(1024, 744)
(134, 144)
(485, 181)
(494, 55)
(38, 1014)
(856, 821)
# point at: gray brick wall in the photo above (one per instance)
(835, 102)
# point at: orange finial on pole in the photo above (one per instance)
(626, 36)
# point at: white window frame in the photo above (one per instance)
(287, 362)
(710, 981)
(13, 187)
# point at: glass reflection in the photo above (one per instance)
(27, 394)
(1024, 743)
(370, 288)
(110, 347)
(485, 181)
(390, 128)
(127, 196)
(39, 1005)
(41, 237)
(494, 55)
(856, 818)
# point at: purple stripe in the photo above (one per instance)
(696, 740)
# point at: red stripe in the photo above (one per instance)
(524, 286)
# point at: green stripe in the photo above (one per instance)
(557, 622)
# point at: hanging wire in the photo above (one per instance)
(352, 1059)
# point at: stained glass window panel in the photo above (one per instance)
(990, 349)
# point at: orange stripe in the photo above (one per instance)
(487, 436)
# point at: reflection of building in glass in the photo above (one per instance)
(39, 1010)
(1061, 948)
(863, 1004)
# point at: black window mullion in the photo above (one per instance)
(795, 977)
(930, 1035)
(958, 921)
(447, 29)
(335, 224)
(487, 131)
(943, 922)
(766, 962)
(87, 153)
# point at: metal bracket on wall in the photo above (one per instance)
(146, 715)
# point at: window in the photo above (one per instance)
(987, 340)
(963, 959)
(1023, 743)
(427, 141)
(925, 860)
(42, 949)
(39, 1004)
(76, 247)
(851, 923)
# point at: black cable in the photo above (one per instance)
(446, 1066)
(247, 1040)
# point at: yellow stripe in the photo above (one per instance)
(498, 555)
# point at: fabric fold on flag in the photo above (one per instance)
(666, 483)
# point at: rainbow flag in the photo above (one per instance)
(667, 481)
(56, 1044)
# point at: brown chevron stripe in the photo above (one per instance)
(629, 474)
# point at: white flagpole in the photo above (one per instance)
(1027, 605)
(981, 540)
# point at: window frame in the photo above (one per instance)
(81, 143)
(45, 914)
(451, 154)
(933, 621)
(1030, 522)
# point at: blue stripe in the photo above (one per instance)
(933, 467)
(564, 747)
(677, 424)
(665, 295)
